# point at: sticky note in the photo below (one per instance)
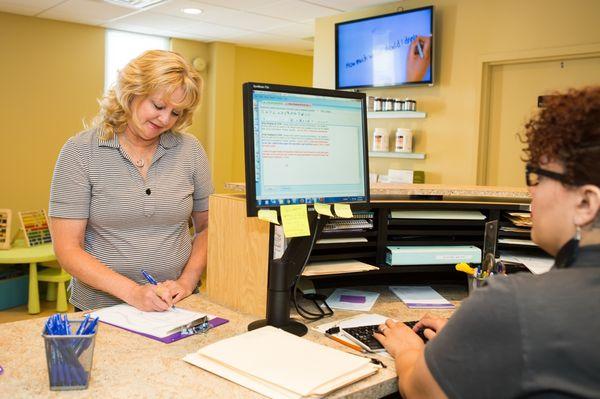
(352, 298)
(323, 209)
(342, 210)
(268, 215)
(295, 220)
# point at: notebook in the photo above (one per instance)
(161, 326)
(278, 364)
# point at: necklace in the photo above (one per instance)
(140, 162)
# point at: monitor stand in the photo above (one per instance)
(282, 275)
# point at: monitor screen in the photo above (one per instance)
(387, 50)
(304, 145)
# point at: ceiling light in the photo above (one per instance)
(137, 4)
(192, 11)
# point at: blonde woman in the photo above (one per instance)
(123, 191)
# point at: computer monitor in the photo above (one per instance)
(304, 145)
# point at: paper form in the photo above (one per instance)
(295, 220)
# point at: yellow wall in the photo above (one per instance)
(230, 67)
(52, 73)
(467, 31)
(50, 77)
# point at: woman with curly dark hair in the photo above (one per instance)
(526, 335)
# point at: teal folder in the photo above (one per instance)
(432, 255)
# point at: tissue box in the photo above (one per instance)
(406, 176)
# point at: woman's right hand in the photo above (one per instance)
(430, 325)
(151, 298)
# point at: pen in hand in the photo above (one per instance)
(151, 280)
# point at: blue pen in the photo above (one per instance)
(148, 277)
(151, 280)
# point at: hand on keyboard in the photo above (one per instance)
(363, 336)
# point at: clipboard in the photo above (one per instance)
(165, 326)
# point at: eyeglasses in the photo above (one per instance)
(532, 176)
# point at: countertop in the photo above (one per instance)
(129, 365)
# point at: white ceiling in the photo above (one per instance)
(282, 25)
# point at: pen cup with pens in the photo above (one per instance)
(69, 355)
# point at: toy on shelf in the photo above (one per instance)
(35, 227)
(5, 223)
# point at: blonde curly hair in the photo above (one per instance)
(152, 71)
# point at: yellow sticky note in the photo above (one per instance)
(295, 220)
(323, 209)
(342, 210)
(268, 215)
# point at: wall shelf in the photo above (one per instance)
(396, 114)
(390, 154)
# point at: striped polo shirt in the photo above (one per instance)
(132, 223)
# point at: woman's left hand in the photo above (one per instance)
(398, 338)
(179, 290)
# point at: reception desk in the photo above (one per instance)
(240, 247)
(128, 365)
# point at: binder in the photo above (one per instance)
(277, 364)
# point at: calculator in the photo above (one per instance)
(363, 336)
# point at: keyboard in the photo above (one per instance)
(363, 336)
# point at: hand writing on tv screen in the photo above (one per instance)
(419, 58)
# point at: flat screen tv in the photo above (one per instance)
(386, 50)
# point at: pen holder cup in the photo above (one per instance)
(69, 359)
(476, 282)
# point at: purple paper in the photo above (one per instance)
(217, 321)
(353, 298)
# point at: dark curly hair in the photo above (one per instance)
(567, 130)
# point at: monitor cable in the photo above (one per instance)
(304, 313)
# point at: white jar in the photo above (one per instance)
(403, 142)
(381, 139)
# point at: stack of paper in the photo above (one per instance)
(421, 297)
(535, 264)
(521, 219)
(277, 364)
(336, 267)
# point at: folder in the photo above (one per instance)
(161, 326)
(278, 364)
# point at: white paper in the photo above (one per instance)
(157, 324)
(535, 264)
(335, 300)
(419, 297)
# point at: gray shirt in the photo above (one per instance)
(132, 223)
(525, 336)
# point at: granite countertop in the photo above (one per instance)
(127, 364)
(391, 191)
